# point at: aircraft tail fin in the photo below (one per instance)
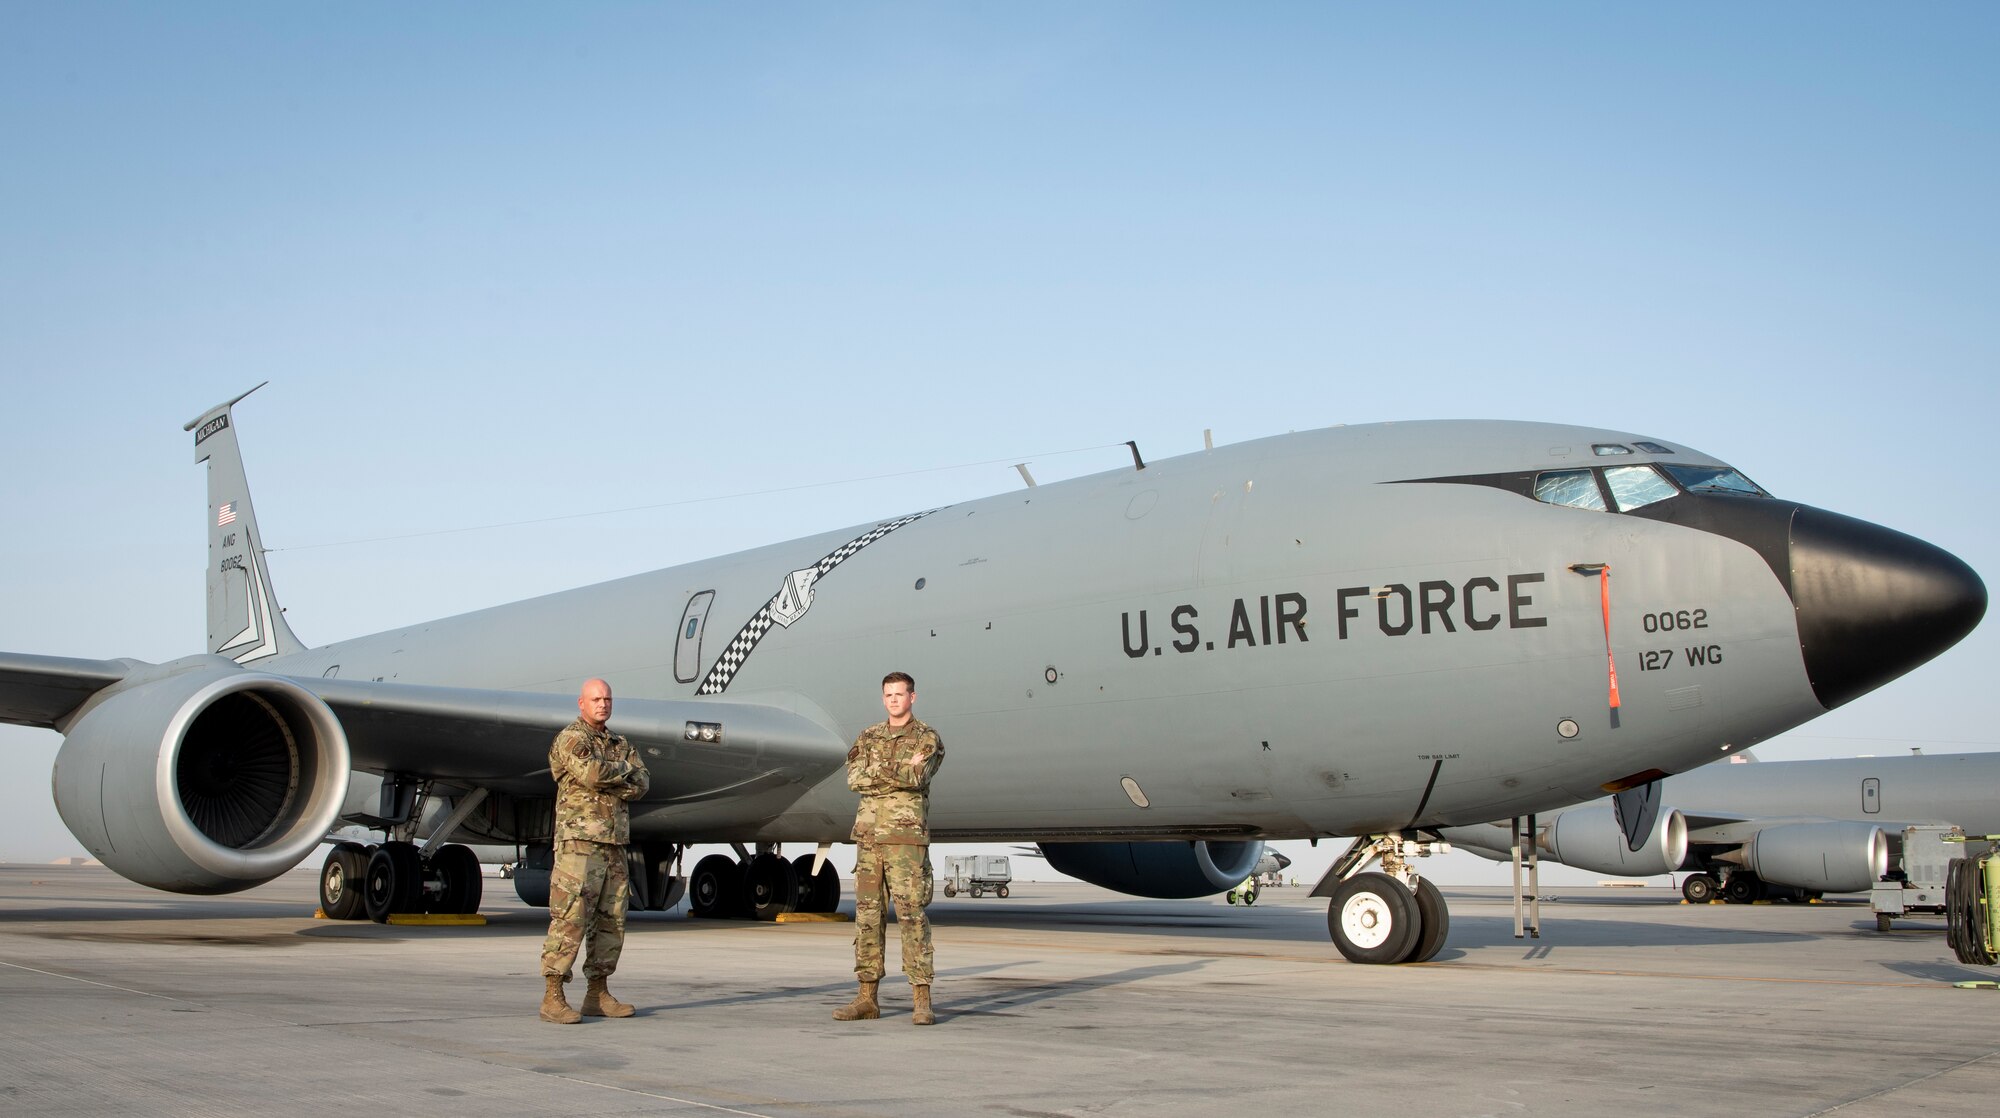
(244, 620)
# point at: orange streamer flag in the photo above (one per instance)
(1604, 594)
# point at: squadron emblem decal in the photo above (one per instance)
(790, 603)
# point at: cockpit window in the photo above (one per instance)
(1575, 488)
(1637, 486)
(1605, 450)
(1714, 479)
(1654, 448)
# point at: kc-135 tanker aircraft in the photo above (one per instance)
(1373, 631)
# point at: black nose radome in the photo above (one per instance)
(1873, 603)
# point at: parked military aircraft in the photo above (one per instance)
(1789, 829)
(1372, 630)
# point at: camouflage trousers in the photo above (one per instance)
(905, 868)
(588, 890)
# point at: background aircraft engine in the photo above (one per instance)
(1589, 838)
(1824, 857)
(208, 781)
(1168, 870)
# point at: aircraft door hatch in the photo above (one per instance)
(1871, 795)
(687, 639)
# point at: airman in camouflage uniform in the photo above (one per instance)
(891, 765)
(597, 773)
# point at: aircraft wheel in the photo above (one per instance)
(1000, 892)
(1700, 888)
(532, 873)
(1742, 888)
(457, 867)
(715, 889)
(395, 881)
(818, 892)
(950, 890)
(773, 889)
(341, 893)
(1434, 922)
(1373, 919)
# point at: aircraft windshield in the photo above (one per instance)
(1637, 486)
(1714, 479)
(1575, 488)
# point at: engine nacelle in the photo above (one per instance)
(1168, 870)
(210, 780)
(1823, 857)
(1589, 838)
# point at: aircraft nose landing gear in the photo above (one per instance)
(1393, 916)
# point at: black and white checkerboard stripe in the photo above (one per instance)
(746, 639)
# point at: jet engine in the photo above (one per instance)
(1168, 870)
(1822, 857)
(1590, 838)
(208, 780)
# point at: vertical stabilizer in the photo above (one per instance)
(244, 621)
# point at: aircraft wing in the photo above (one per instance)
(499, 740)
(39, 690)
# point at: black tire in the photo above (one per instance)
(457, 869)
(715, 888)
(818, 892)
(1434, 922)
(342, 892)
(1373, 919)
(532, 873)
(395, 882)
(1001, 892)
(1742, 888)
(950, 890)
(1882, 921)
(1700, 888)
(772, 888)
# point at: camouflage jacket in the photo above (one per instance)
(596, 772)
(892, 766)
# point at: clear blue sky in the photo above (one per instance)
(506, 262)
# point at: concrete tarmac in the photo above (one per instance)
(1060, 1000)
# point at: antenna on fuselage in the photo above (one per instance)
(1137, 462)
(1025, 475)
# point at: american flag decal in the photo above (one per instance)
(225, 514)
(788, 599)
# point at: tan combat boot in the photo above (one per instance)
(598, 1002)
(862, 1008)
(555, 1007)
(922, 1014)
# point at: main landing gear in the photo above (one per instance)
(1390, 916)
(400, 876)
(760, 886)
(653, 886)
(377, 882)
